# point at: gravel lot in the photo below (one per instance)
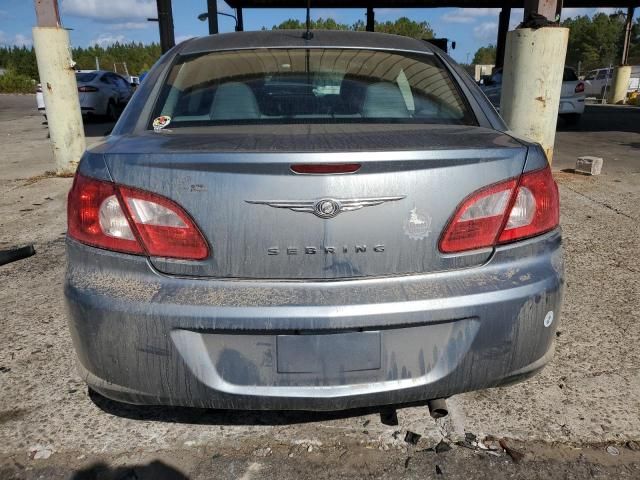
(564, 419)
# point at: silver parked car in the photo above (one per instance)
(101, 93)
(288, 223)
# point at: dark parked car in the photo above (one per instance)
(283, 223)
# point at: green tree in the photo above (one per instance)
(401, 26)
(406, 27)
(594, 42)
(485, 56)
(634, 51)
(21, 63)
(319, 24)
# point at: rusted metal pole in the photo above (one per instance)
(165, 25)
(503, 28)
(47, 13)
(57, 76)
(371, 20)
(550, 9)
(239, 20)
(212, 10)
(627, 36)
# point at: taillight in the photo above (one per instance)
(536, 208)
(505, 212)
(87, 88)
(579, 87)
(129, 220)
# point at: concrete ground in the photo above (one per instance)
(563, 419)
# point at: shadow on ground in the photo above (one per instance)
(204, 416)
(603, 118)
(153, 471)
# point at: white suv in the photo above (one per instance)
(598, 81)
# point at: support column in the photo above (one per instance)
(628, 24)
(622, 74)
(58, 79)
(371, 19)
(503, 28)
(532, 81)
(619, 85)
(165, 25)
(212, 10)
(239, 20)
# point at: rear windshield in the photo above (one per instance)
(271, 86)
(85, 77)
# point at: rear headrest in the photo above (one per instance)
(384, 100)
(234, 101)
(352, 95)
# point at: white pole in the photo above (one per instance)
(532, 82)
(57, 76)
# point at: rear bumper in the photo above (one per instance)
(146, 338)
(571, 105)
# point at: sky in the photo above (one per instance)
(107, 21)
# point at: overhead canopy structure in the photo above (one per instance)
(421, 3)
(548, 8)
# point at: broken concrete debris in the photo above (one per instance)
(262, 452)
(611, 450)
(633, 446)
(515, 455)
(41, 452)
(443, 447)
(412, 437)
(589, 165)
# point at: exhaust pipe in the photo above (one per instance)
(438, 408)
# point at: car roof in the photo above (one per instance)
(295, 39)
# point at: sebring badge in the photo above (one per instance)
(326, 207)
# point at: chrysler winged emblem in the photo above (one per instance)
(326, 207)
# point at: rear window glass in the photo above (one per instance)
(85, 77)
(317, 85)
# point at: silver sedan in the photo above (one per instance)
(278, 222)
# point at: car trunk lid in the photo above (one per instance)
(260, 218)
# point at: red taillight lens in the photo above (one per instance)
(87, 89)
(478, 220)
(95, 217)
(501, 213)
(164, 228)
(580, 87)
(128, 220)
(536, 209)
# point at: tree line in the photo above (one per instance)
(402, 26)
(593, 42)
(21, 69)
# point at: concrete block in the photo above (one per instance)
(589, 165)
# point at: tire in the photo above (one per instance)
(571, 118)
(111, 111)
